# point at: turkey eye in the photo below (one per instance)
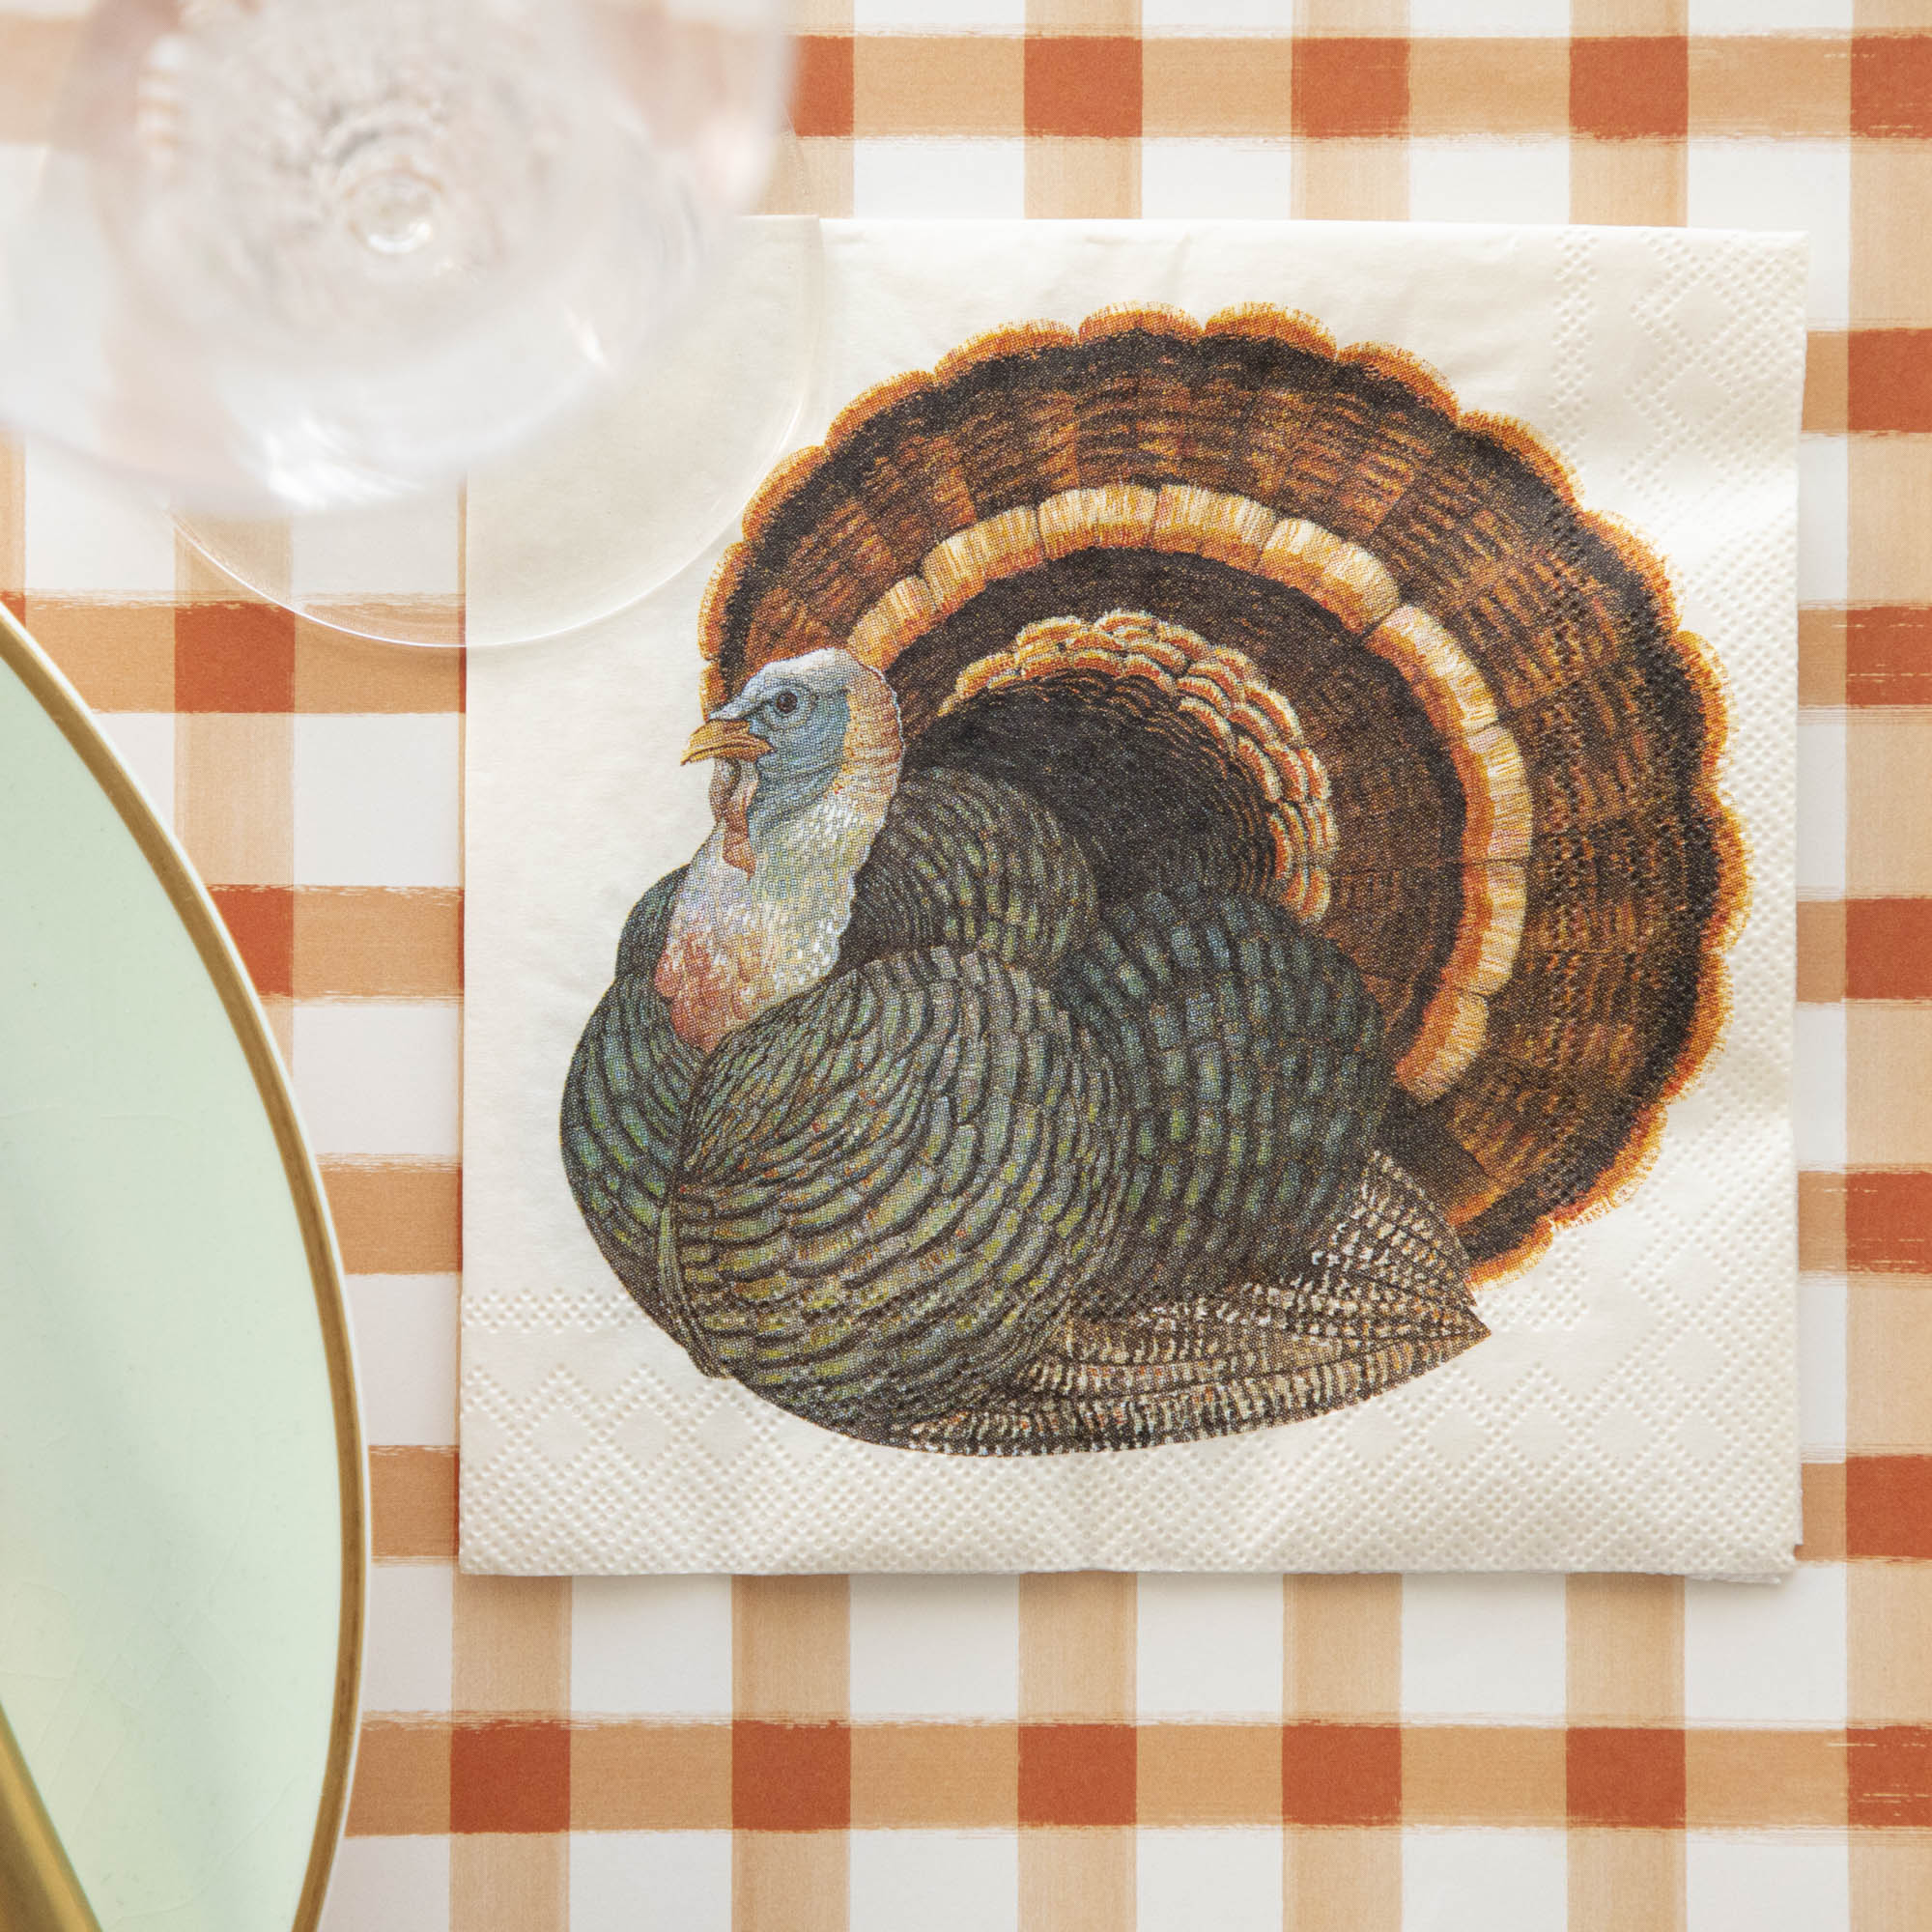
(785, 704)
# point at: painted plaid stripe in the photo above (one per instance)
(231, 655)
(536, 1776)
(1350, 85)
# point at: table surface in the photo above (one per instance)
(1513, 1754)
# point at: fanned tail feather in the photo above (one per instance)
(1534, 869)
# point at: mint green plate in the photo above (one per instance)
(181, 1520)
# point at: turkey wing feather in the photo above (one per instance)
(919, 1278)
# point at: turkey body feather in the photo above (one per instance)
(624, 1104)
(1272, 875)
(1382, 1301)
(892, 1187)
(1012, 1147)
(1249, 1058)
(965, 861)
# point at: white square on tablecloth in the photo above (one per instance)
(1822, 1310)
(1756, 1656)
(932, 1647)
(404, 1328)
(936, 176)
(1821, 805)
(379, 1077)
(938, 1881)
(1782, 184)
(1473, 1878)
(1216, 180)
(651, 1647)
(1209, 1878)
(1493, 1645)
(145, 741)
(378, 800)
(407, 1659)
(1824, 533)
(87, 535)
(1766, 1882)
(1819, 1105)
(1462, 180)
(645, 1880)
(389, 1884)
(1210, 1647)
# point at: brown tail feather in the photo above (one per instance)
(1015, 439)
(1534, 871)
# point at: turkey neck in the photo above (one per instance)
(767, 898)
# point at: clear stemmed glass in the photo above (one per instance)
(303, 266)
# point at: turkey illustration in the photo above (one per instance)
(1217, 856)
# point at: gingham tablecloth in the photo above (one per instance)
(1104, 1751)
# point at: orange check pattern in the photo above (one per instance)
(1072, 1753)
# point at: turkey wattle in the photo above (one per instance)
(1212, 850)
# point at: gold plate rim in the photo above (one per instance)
(222, 963)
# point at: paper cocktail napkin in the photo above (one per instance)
(1230, 1007)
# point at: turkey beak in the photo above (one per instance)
(724, 738)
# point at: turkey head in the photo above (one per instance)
(1269, 872)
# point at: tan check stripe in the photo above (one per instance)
(499, 1788)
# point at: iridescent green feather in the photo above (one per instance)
(624, 1102)
(974, 864)
(876, 1246)
(1250, 1063)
